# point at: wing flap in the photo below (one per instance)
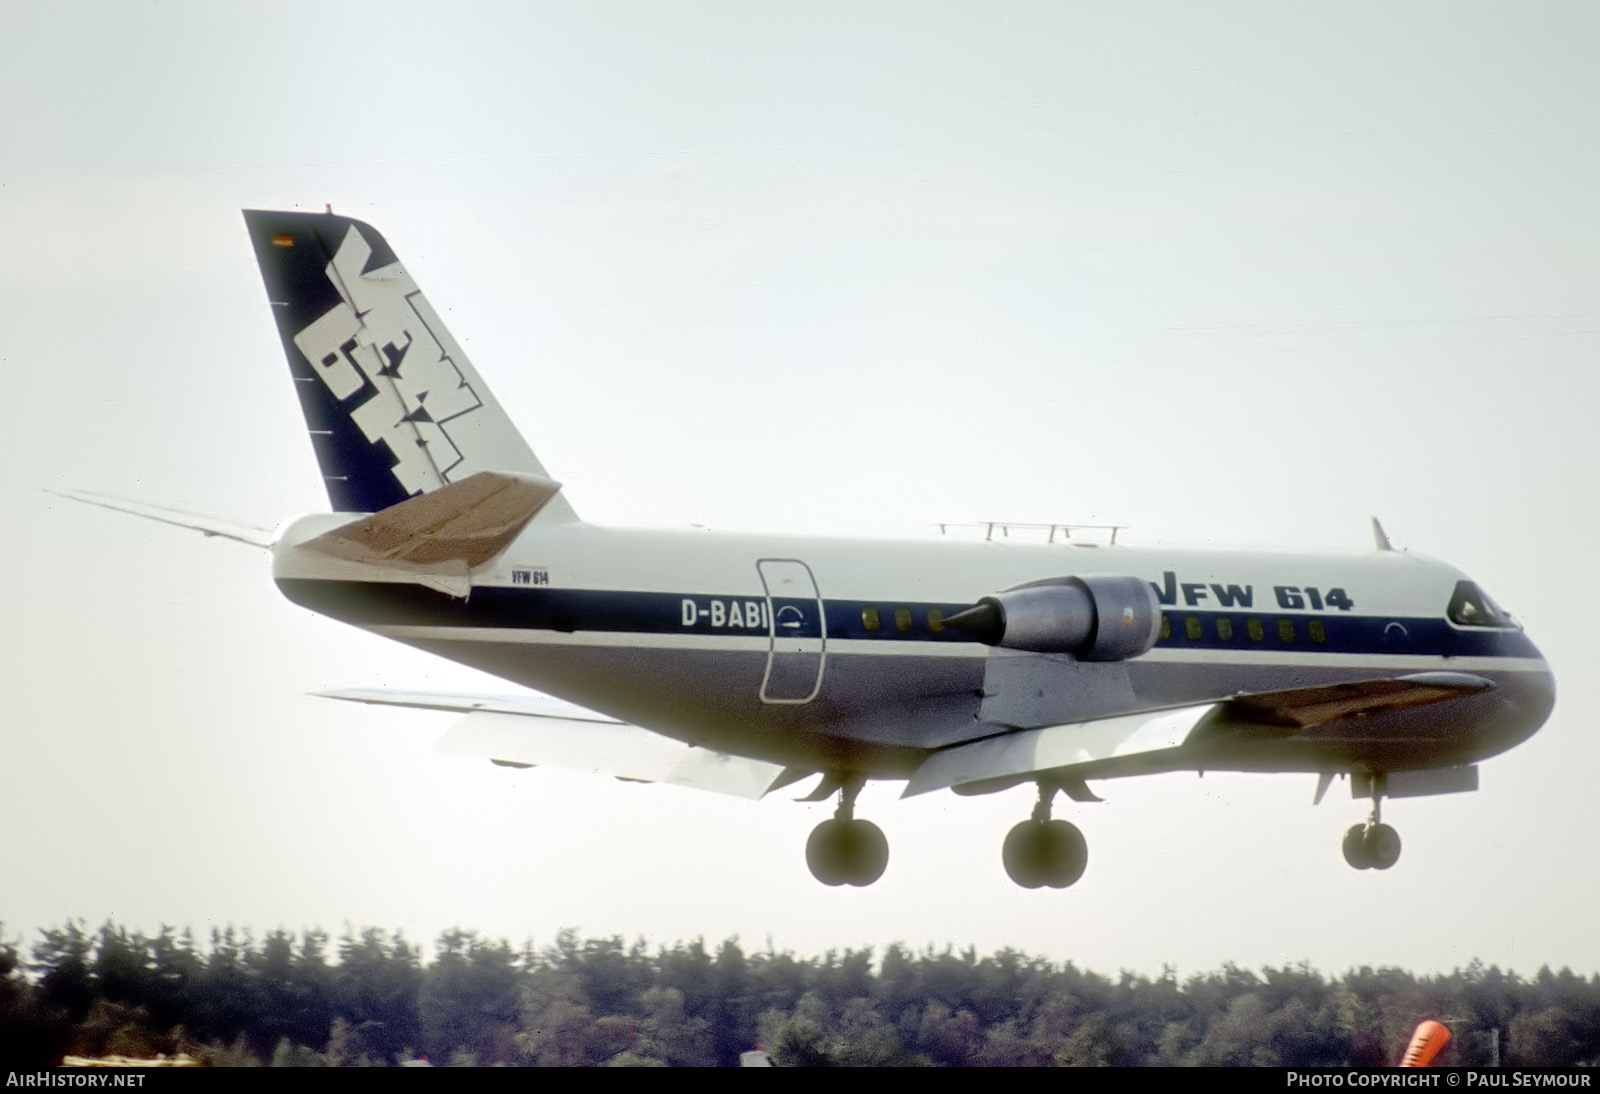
(537, 730)
(607, 748)
(1005, 760)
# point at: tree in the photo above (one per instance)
(376, 988)
(61, 964)
(469, 998)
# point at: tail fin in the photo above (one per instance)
(393, 406)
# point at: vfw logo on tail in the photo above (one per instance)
(379, 341)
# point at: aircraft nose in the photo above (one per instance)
(1533, 690)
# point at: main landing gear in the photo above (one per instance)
(844, 850)
(1373, 845)
(1042, 851)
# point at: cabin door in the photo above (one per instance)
(798, 636)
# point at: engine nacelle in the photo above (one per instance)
(1099, 617)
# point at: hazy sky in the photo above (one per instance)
(1228, 273)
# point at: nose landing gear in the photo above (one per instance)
(844, 850)
(1041, 851)
(1373, 845)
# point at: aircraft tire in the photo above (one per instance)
(1355, 847)
(1067, 854)
(1024, 854)
(867, 852)
(1382, 846)
(847, 852)
(826, 854)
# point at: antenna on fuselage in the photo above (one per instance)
(1381, 536)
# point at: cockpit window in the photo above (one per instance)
(1471, 607)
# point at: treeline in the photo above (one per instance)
(371, 999)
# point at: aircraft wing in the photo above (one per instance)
(537, 730)
(1177, 739)
(247, 534)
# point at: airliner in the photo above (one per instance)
(746, 664)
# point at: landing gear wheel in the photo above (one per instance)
(1374, 845)
(1051, 853)
(847, 852)
(1069, 854)
(1022, 855)
(1371, 846)
(869, 852)
(1355, 847)
(1382, 846)
(825, 853)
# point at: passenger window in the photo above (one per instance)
(1225, 628)
(1256, 631)
(1319, 633)
(1285, 630)
(935, 620)
(869, 617)
(902, 619)
(1166, 625)
(1191, 627)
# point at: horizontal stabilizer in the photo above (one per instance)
(467, 522)
(247, 534)
(536, 730)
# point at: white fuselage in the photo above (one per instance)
(832, 653)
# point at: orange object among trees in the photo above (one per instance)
(1426, 1043)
